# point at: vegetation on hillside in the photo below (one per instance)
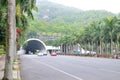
(94, 30)
(56, 18)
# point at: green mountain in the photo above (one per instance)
(56, 18)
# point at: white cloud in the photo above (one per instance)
(109, 5)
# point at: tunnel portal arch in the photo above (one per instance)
(33, 44)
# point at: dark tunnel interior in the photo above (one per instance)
(33, 45)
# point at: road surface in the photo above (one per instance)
(35, 67)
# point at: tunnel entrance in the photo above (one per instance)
(33, 45)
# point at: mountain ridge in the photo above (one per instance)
(53, 17)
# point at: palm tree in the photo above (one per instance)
(23, 12)
(25, 7)
(11, 40)
(110, 28)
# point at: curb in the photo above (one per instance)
(16, 69)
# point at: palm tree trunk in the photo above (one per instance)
(111, 46)
(72, 48)
(61, 49)
(92, 46)
(66, 48)
(100, 47)
(10, 41)
(85, 49)
(97, 47)
(107, 49)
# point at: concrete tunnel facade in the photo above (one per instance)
(33, 44)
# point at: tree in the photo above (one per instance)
(3, 20)
(11, 40)
(24, 8)
(110, 26)
(23, 13)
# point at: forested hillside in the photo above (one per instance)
(56, 18)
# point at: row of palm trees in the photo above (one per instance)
(100, 36)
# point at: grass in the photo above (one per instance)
(15, 79)
(2, 51)
(15, 69)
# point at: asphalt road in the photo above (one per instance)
(35, 67)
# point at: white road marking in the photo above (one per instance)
(73, 76)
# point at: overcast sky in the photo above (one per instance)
(109, 5)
